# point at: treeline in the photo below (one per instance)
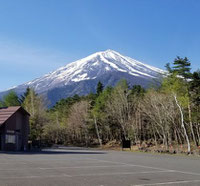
(165, 116)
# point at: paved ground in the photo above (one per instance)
(76, 167)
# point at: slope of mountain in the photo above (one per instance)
(80, 77)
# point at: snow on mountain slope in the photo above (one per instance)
(93, 67)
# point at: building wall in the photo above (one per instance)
(17, 125)
(1, 137)
(22, 125)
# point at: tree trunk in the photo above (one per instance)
(97, 131)
(198, 133)
(86, 136)
(32, 105)
(191, 125)
(182, 124)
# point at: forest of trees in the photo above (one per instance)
(165, 117)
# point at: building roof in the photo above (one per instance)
(7, 112)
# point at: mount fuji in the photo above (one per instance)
(81, 77)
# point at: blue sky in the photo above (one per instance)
(38, 36)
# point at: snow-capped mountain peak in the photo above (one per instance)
(81, 76)
(94, 66)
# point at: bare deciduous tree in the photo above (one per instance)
(77, 121)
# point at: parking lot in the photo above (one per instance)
(74, 166)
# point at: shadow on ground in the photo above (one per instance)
(51, 152)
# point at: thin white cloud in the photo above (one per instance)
(20, 63)
(19, 54)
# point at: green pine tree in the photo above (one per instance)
(182, 67)
(195, 87)
(168, 68)
(99, 88)
(11, 99)
(23, 97)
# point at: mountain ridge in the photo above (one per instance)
(92, 68)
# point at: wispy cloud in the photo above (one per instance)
(19, 54)
(20, 62)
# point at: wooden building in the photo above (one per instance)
(14, 129)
